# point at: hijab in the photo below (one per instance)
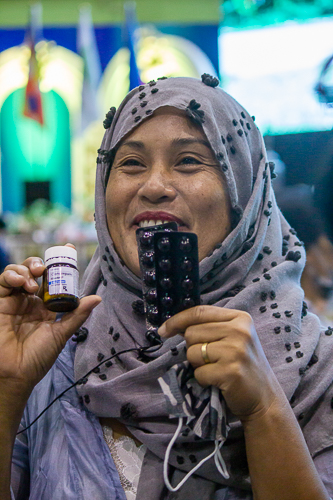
(257, 269)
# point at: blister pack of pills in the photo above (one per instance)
(170, 271)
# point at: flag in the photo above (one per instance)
(87, 48)
(131, 30)
(33, 100)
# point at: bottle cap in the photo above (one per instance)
(60, 254)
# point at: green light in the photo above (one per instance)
(34, 152)
(255, 13)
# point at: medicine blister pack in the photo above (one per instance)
(170, 271)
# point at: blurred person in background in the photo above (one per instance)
(297, 204)
(317, 277)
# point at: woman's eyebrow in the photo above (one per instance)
(188, 142)
(132, 144)
(139, 145)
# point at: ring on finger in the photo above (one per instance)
(204, 353)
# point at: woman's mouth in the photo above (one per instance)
(151, 219)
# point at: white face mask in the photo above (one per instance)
(177, 388)
(219, 462)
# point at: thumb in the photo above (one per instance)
(70, 322)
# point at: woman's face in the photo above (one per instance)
(166, 171)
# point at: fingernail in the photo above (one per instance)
(32, 282)
(162, 330)
(39, 263)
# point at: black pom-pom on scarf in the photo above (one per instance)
(109, 117)
(138, 307)
(128, 412)
(81, 335)
(209, 80)
(194, 112)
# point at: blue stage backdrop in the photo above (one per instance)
(109, 38)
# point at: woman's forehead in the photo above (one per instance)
(165, 121)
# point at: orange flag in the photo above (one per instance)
(33, 99)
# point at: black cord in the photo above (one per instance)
(139, 349)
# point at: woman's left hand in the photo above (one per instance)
(238, 365)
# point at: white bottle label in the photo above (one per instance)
(63, 280)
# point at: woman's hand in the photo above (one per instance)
(275, 446)
(30, 338)
(30, 341)
(238, 365)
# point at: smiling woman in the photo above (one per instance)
(165, 170)
(235, 401)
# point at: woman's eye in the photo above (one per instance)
(130, 166)
(131, 162)
(189, 160)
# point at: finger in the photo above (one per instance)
(70, 322)
(196, 355)
(29, 283)
(209, 332)
(195, 316)
(70, 245)
(35, 265)
(31, 268)
(211, 374)
(10, 279)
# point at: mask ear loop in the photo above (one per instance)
(219, 462)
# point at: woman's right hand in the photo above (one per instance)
(30, 338)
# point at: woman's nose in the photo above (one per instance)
(157, 186)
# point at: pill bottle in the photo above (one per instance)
(61, 279)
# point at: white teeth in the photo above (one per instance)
(146, 223)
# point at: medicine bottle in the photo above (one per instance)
(61, 279)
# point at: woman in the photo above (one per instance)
(183, 150)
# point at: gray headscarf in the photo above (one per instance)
(257, 269)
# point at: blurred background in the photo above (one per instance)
(64, 63)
